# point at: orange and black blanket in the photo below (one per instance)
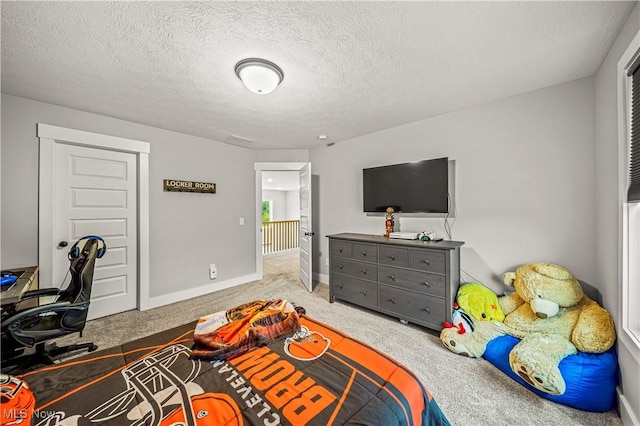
(318, 376)
(233, 332)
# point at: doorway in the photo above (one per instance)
(278, 241)
(280, 223)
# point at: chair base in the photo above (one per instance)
(42, 357)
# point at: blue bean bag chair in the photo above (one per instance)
(591, 379)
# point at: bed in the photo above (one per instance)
(325, 378)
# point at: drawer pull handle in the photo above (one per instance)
(341, 285)
(392, 301)
(426, 261)
(392, 257)
(364, 253)
(427, 310)
(340, 250)
(340, 266)
(364, 293)
(392, 277)
(364, 272)
(427, 284)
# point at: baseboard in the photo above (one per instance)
(321, 278)
(626, 411)
(178, 296)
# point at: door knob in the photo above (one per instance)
(63, 244)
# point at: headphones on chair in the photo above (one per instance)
(79, 245)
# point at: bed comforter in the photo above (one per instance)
(319, 376)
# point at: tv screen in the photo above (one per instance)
(416, 187)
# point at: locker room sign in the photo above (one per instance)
(172, 185)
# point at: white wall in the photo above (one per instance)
(293, 204)
(524, 183)
(282, 155)
(187, 231)
(285, 204)
(278, 203)
(608, 209)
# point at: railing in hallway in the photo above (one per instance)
(280, 235)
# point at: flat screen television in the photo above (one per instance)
(416, 187)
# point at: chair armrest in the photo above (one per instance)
(12, 307)
(53, 308)
(40, 292)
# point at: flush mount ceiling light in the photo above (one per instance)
(259, 75)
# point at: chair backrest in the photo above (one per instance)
(79, 289)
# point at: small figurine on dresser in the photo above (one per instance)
(388, 223)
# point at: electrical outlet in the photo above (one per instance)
(241, 221)
(213, 271)
(326, 262)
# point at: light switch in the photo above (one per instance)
(242, 221)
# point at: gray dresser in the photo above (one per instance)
(415, 281)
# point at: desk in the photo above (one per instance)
(28, 280)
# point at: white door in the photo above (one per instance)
(306, 233)
(95, 194)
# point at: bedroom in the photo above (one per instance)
(502, 227)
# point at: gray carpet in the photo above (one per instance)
(469, 391)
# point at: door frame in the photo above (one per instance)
(49, 136)
(259, 167)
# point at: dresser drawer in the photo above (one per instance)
(395, 256)
(410, 280)
(365, 252)
(366, 271)
(427, 260)
(341, 248)
(422, 282)
(419, 308)
(354, 290)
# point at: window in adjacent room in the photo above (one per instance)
(266, 210)
(629, 72)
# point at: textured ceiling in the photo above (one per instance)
(281, 180)
(351, 68)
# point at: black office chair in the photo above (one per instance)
(65, 313)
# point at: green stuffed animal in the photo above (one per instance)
(479, 302)
(550, 314)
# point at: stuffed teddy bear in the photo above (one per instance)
(553, 318)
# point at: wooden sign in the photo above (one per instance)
(172, 185)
